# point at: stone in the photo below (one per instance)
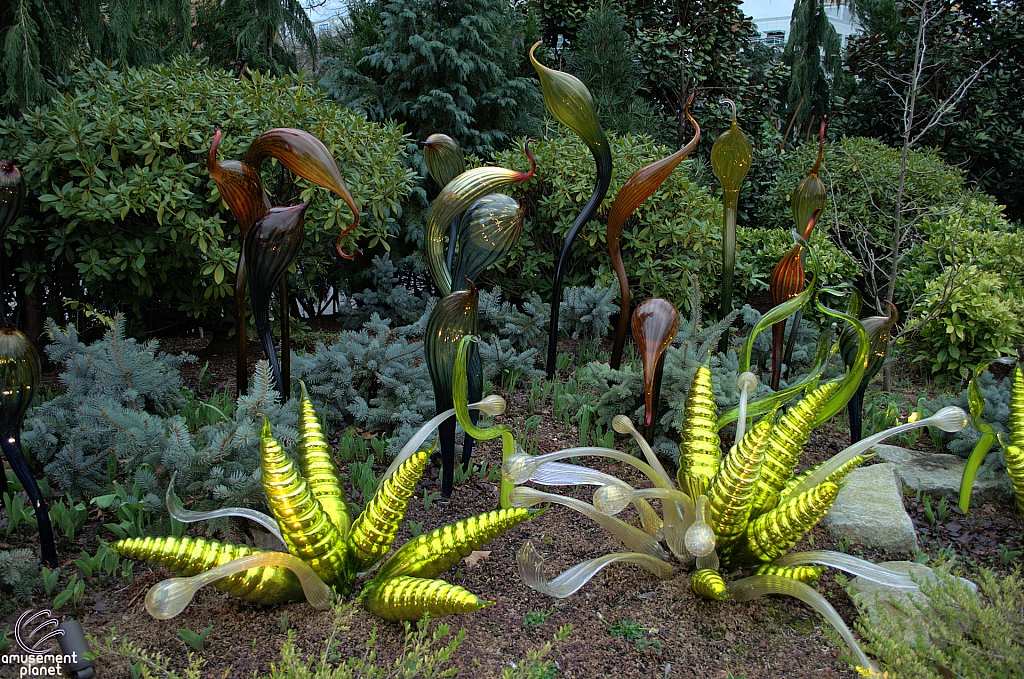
(869, 511)
(939, 474)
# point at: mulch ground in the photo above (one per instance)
(625, 623)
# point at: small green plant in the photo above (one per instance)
(529, 435)
(362, 478)
(68, 518)
(627, 629)
(945, 555)
(283, 623)
(195, 640)
(416, 528)
(843, 545)
(926, 505)
(128, 571)
(537, 664)
(535, 618)
(133, 517)
(50, 578)
(428, 499)
(5, 642)
(72, 593)
(1007, 555)
(950, 631)
(563, 361)
(16, 514)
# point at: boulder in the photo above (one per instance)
(939, 474)
(869, 511)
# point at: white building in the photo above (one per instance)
(325, 15)
(772, 19)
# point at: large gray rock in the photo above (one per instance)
(869, 511)
(939, 474)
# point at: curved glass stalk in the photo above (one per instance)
(487, 232)
(851, 381)
(445, 162)
(858, 568)
(676, 520)
(175, 509)
(731, 156)
(822, 354)
(271, 246)
(306, 156)
(638, 188)
(460, 401)
(878, 328)
(612, 498)
(1017, 406)
(453, 318)
(19, 380)
(519, 468)
(758, 585)
(976, 400)
(316, 464)
(655, 324)
(492, 405)
(786, 282)
(559, 474)
(700, 449)
(455, 198)
(406, 598)
(531, 566)
(632, 537)
(571, 104)
(949, 419)
(747, 382)
(167, 599)
(781, 312)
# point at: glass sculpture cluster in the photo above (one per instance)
(327, 547)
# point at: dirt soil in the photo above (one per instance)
(675, 635)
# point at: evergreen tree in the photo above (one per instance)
(603, 56)
(49, 38)
(444, 67)
(813, 54)
(231, 33)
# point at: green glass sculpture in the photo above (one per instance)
(239, 185)
(19, 381)
(326, 547)
(638, 188)
(878, 328)
(571, 103)
(454, 317)
(723, 532)
(655, 324)
(445, 162)
(731, 156)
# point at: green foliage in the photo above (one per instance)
(950, 631)
(43, 39)
(963, 36)
(122, 213)
(813, 54)
(19, 575)
(970, 274)
(759, 251)
(442, 67)
(426, 654)
(997, 413)
(976, 318)
(861, 177)
(604, 58)
(537, 664)
(674, 234)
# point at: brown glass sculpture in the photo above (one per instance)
(638, 188)
(655, 324)
(281, 230)
(786, 282)
(878, 328)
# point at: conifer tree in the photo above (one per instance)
(448, 67)
(813, 54)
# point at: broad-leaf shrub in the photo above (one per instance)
(675, 233)
(969, 272)
(123, 214)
